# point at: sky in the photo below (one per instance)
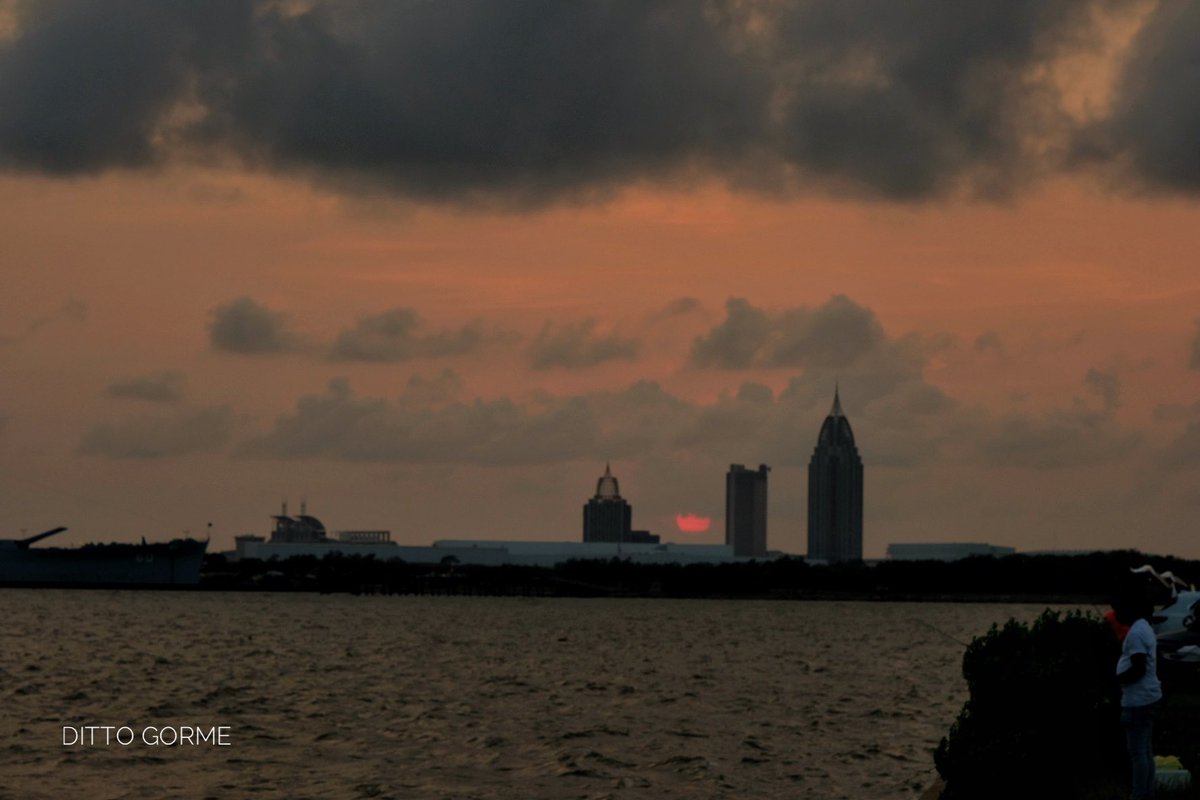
(431, 266)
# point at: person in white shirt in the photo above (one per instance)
(1137, 673)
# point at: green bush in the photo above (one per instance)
(1042, 716)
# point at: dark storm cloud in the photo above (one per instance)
(247, 327)
(1155, 123)
(397, 335)
(161, 387)
(89, 85)
(830, 336)
(575, 345)
(150, 437)
(532, 102)
(906, 98)
(523, 99)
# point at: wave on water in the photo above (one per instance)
(459, 697)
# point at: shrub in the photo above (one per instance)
(1042, 715)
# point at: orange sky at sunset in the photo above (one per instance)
(199, 322)
(1065, 281)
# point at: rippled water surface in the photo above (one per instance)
(454, 697)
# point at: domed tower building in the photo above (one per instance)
(607, 517)
(835, 492)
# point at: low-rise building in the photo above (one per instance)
(945, 551)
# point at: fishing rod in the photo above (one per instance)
(936, 629)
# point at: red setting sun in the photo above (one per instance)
(690, 523)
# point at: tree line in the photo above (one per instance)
(1036, 578)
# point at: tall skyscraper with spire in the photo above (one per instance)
(835, 491)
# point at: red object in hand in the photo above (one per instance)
(1118, 629)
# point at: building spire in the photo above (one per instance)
(607, 487)
(836, 411)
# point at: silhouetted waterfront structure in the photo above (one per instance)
(945, 551)
(608, 517)
(835, 492)
(299, 529)
(746, 510)
(307, 529)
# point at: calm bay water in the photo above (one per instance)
(453, 697)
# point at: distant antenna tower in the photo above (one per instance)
(284, 512)
(303, 506)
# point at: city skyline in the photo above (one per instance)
(430, 269)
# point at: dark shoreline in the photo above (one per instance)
(1087, 579)
(1059, 579)
(799, 597)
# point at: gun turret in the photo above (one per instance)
(23, 544)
